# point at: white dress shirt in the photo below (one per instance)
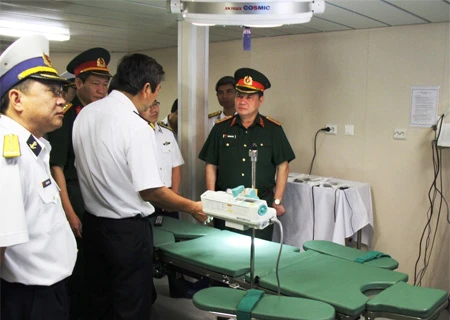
(115, 152)
(41, 248)
(168, 155)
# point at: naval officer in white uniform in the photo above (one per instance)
(37, 246)
(169, 158)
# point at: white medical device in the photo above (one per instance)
(240, 208)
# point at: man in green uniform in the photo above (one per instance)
(91, 80)
(226, 151)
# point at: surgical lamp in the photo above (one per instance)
(269, 13)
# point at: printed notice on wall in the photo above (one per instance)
(424, 106)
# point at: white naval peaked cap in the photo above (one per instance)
(25, 58)
(70, 77)
(67, 75)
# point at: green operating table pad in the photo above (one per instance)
(336, 281)
(184, 230)
(348, 253)
(270, 307)
(162, 237)
(228, 253)
(408, 300)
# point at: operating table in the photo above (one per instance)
(321, 283)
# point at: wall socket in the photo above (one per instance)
(333, 128)
(400, 134)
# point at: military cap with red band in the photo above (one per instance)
(94, 61)
(250, 81)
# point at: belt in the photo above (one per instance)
(138, 216)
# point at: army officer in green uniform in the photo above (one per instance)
(226, 151)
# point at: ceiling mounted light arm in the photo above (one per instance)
(248, 13)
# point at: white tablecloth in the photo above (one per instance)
(319, 208)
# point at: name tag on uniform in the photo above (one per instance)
(46, 183)
(229, 136)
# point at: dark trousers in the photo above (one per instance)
(21, 302)
(119, 257)
(77, 282)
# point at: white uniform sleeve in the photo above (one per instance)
(177, 158)
(13, 226)
(142, 160)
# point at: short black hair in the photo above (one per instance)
(225, 80)
(21, 86)
(174, 106)
(134, 71)
(83, 76)
(112, 85)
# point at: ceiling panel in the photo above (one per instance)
(380, 12)
(137, 25)
(431, 10)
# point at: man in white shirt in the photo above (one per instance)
(115, 152)
(171, 120)
(37, 246)
(168, 155)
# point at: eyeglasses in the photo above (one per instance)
(56, 91)
(155, 104)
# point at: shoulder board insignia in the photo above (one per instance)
(223, 119)
(34, 145)
(11, 147)
(67, 107)
(273, 120)
(214, 114)
(162, 124)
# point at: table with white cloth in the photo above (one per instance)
(324, 208)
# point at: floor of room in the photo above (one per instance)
(167, 308)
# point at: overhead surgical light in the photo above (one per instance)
(265, 14)
(20, 29)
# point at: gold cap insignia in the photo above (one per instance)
(101, 63)
(248, 80)
(47, 60)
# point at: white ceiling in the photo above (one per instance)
(139, 25)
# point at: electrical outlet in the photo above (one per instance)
(333, 128)
(400, 134)
(349, 130)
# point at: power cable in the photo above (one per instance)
(327, 129)
(434, 192)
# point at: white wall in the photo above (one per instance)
(362, 78)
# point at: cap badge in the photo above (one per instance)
(248, 80)
(101, 63)
(47, 60)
